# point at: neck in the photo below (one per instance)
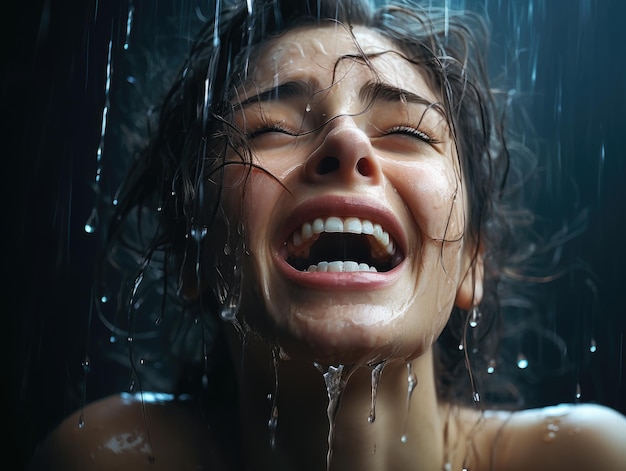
(336, 427)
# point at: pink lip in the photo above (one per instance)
(341, 206)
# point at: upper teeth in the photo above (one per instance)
(350, 225)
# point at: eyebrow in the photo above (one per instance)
(380, 91)
(283, 91)
(370, 92)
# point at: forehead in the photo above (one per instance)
(328, 53)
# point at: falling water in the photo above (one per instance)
(273, 421)
(377, 371)
(129, 24)
(335, 379)
(411, 385)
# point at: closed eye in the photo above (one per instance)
(270, 128)
(411, 132)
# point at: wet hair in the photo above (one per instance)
(162, 237)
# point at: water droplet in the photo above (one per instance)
(104, 299)
(476, 396)
(228, 313)
(129, 24)
(112, 339)
(549, 436)
(308, 108)
(404, 438)
(129, 339)
(92, 222)
(227, 249)
(578, 391)
(81, 421)
(474, 317)
(491, 366)
(461, 347)
(142, 361)
(593, 347)
(522, 361)
(272, 424)
(86, 364)
(198, 233)
(551, 430)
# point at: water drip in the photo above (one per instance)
(474, 317)
(335, 381)
(232, 301)
(522, 361)
(377, 371)
(198, 233)
(273, 421)
(411, 384)
(129, 24)
(593, 347)
(92, 222)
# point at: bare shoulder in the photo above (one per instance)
(564, 437)
(151, 431)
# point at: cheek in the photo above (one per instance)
(435, 198)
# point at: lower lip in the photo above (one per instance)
(358, 280)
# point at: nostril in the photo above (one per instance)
(327, 165)
(364, 167)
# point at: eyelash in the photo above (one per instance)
(411, 131)
(268, 128)
(404, 129)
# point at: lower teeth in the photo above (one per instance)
(340, 267)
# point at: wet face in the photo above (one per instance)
(355, 216)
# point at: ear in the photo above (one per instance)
(470, 292)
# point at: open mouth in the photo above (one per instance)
(337, 244)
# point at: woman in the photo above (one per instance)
(328, 180)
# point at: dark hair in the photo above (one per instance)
(168, 205)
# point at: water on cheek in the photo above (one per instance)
(433, 195)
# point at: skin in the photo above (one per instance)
(358, 164)
(412, 187)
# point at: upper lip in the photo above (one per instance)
(343, 206)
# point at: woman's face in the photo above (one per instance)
(355, 216)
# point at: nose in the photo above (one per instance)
(345, 155)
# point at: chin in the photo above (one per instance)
(336, 332)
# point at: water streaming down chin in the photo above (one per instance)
(377, 371)
(564, 74)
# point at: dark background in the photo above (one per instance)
(565, 58)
